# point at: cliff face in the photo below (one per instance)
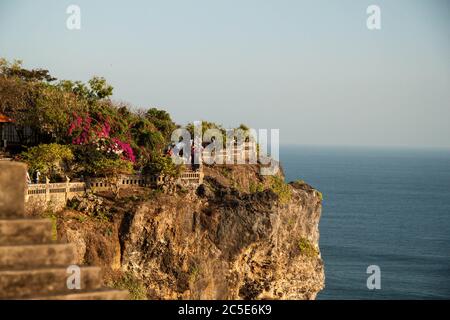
(233, 237)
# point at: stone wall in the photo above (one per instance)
(55, 195)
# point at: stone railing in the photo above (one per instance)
(38, 195)
(191, 177)
(51, 191)
(239, 154)
(59, 193)
(186, 177)
(100, 184)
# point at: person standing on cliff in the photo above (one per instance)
(37, 176)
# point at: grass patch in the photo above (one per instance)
(307, 248)
(283, 190)
(320, 195)
(54, 227)
(102, 216)
(194, 272)
(54, 218)
(182, 191)
(256, 187)
(108, 231)
(226, 172)
(236, 185)
(81, 218)
(129, 282)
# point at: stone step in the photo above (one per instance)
(25, 231)
(12, 189)
(23, 284)
(103, 294)
(41, 255)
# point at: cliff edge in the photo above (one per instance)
(239, 235)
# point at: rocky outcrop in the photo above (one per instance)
(223, 243)
(236, 236)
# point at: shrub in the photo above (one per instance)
(307, 248)
(81, 114)
(162, 165)
(129, 282)
(256, 187)
(49, 214)
(194, 272)
(226, 172)
(320, 195)
(162, 121)
(81, 218)
(282, 189)
(50, 159)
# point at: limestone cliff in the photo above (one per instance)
(237, 236)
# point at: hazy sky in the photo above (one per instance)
(310, 68)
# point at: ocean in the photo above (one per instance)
(385, 207)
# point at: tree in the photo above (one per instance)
(51, 114)
(29, 97)
(52, 160)
(243, 127)
(100, 89)
(205, 126)
(162, 165)
(96, 89)
(112, 169)
(93, 162)
(147, 140)
(81, 115)
(162, 121)
(15, 69)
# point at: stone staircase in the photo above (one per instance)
(32, 265)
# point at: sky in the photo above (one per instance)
(309, 68)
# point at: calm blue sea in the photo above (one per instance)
(385, 207)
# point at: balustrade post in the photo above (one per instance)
(47, 189)
(67, 188)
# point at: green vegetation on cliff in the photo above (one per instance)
(279, 187)
(307, 248)
(76, 128)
